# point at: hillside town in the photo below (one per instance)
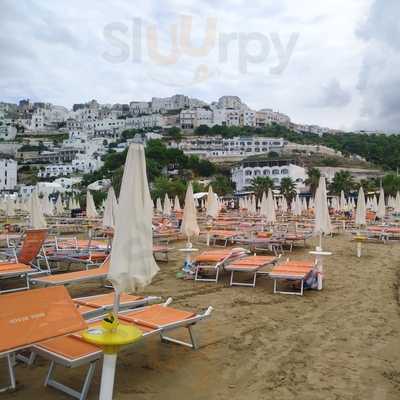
(59, 145)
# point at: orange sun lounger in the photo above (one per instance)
(71, 351)
(92, 306)
(250, 265)
(23, 264)
(292, 271)
(213, 260)
(67, 278)
(33, 316)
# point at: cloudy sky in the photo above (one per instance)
(334, 62)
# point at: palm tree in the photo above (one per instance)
(261, 184)
(342, 181)
(391, 184)
(313, 179)
(288, 189)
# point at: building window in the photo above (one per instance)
(247, 173)
(284, 171)
(275, 172)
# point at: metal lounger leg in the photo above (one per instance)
(276, 290)
(11, 374)
(49, 381)
(253, 284)
(193, 344)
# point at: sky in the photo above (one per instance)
(334, 63)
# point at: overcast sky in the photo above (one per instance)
(334, 63)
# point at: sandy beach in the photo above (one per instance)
(340, 343)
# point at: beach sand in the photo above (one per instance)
(340, 343)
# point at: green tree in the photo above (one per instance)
(222, 185)
(261, 184)
(313, 179)
(342, 181)
(174, 133)
(202, 130)
(288, 189)
(391, 184)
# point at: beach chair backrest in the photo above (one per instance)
(33, 242)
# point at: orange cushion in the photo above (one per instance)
(156, 316)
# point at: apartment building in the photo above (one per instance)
(8, 174)
(246, 171)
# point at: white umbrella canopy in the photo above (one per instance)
(343, 202)
(189, 226)
(167, 206)
(177, 204)
(90, 206)
(132, 265)
(10, 207)
(264, 206)
(397, 203)
(212, 203)
(271, 217)
(374, 204)
(35, 209)
(110, 209)
(159, 207)
(381, 210)
(284, 205)
(59, 206)
(322, 219)
(296, 206)
(361, 211)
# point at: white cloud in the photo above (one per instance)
(53, 51)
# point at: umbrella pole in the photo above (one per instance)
(117, 296)
(107, 376)
(320, 240)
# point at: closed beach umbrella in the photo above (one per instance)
(343, 202)
(37, 219)
(167, 206)
(110, 209)
(381, 211)
(177, 204)
(159, 207)
(10, 207)
(189, 226)
(271, 217)
(361, 211)
(322, 218)
(284, 205)
(264, 206)
(90, 207)
(132, 265)
(59, 206)
(212, 203)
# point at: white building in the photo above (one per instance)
(193, 118)
(232, 102)
(246, 171)
(145, 121)
(140, 107)
(176, 102)
(267, 116)
(218, 147)
(86, 164)
(8, 132)
(54, 170)
(8, 174)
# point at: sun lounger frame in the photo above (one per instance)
(93, 358)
